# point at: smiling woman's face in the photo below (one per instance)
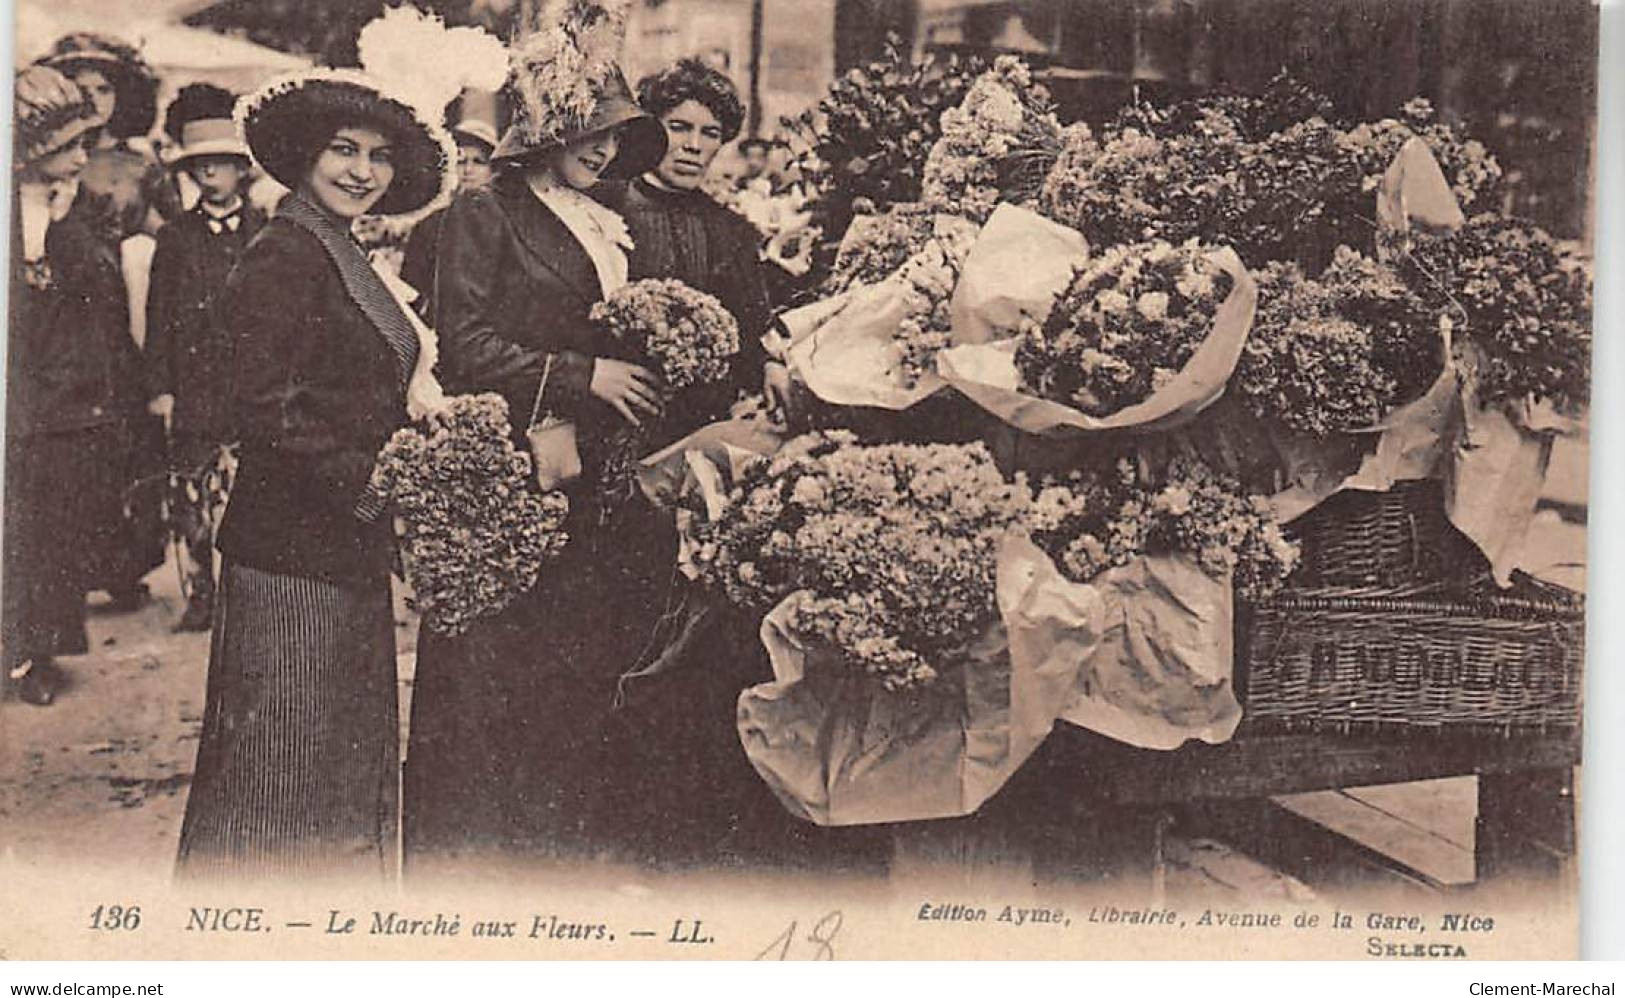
(581, 163)
(352, 172)
(694, 136)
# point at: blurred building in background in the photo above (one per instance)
(1520, 74)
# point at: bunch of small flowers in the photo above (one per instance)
(1337, 354)
(1523, 297)
(686, 337)
(889, 549)
(928, 279)
(1091, 522)
(1474, 174)
(866, 142)
(1126, 325)
(1000, 140)
(883, 242)
(476, 530)
(685, 334)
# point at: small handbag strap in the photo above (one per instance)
(536, 410)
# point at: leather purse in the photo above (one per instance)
(553, 449)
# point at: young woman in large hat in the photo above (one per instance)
(124, 196)
(64, 351)
(298, 766)
(508, 718)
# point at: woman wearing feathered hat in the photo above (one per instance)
(507, 729)
(298, 765)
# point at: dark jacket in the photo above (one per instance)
(71, 362)
(316, 395)
(185, 352)
(513, 286)
(418, 262)
(688, 236)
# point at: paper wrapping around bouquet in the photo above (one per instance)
(705, 464)
(1020, 263)
(845, 350)
(1142, 654)
(838, 749)
(986, 373)
(1150, 645)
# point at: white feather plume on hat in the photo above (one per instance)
(425, 64)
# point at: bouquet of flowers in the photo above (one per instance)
(877, 245)
(1001, 139)
(928, 279)
(1125, 326)
(863, 147)
(885, 553)
(475, 530)
(1522, 297)
(685, 336)
(1339, 353)
(1474, 174)
(1092, 522)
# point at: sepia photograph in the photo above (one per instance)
(797, 479)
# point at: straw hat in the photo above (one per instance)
(50, 113)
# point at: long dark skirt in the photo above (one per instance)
(508, 751)
(62, 501)
(298, 769)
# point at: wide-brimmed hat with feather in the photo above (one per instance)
(567, 86)
(397, 90)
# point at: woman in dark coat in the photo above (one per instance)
(687, 794)
(298, 767)
(123, 192)
(507, 729)
(67, 345)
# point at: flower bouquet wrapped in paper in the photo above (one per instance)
(876, 344)
(997, 145)
(1130, 576)
(689, 340)
(875, 566)
(475, 531)
(1144, 336)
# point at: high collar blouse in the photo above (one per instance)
(600, 231)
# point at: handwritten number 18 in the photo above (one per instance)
(822, 938)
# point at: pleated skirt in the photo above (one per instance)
(298, 769)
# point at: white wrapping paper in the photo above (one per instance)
(986, 373)
(839, 750)
(1017, 267)
(1151, 643)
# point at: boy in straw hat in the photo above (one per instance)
(186, 351)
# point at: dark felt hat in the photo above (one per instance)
(643, 137)
(287, 123)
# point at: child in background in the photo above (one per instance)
(187, 353)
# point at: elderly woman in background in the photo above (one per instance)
(298, 767)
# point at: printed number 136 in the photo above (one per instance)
(821, 939)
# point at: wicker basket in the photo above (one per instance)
(1392, 621)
